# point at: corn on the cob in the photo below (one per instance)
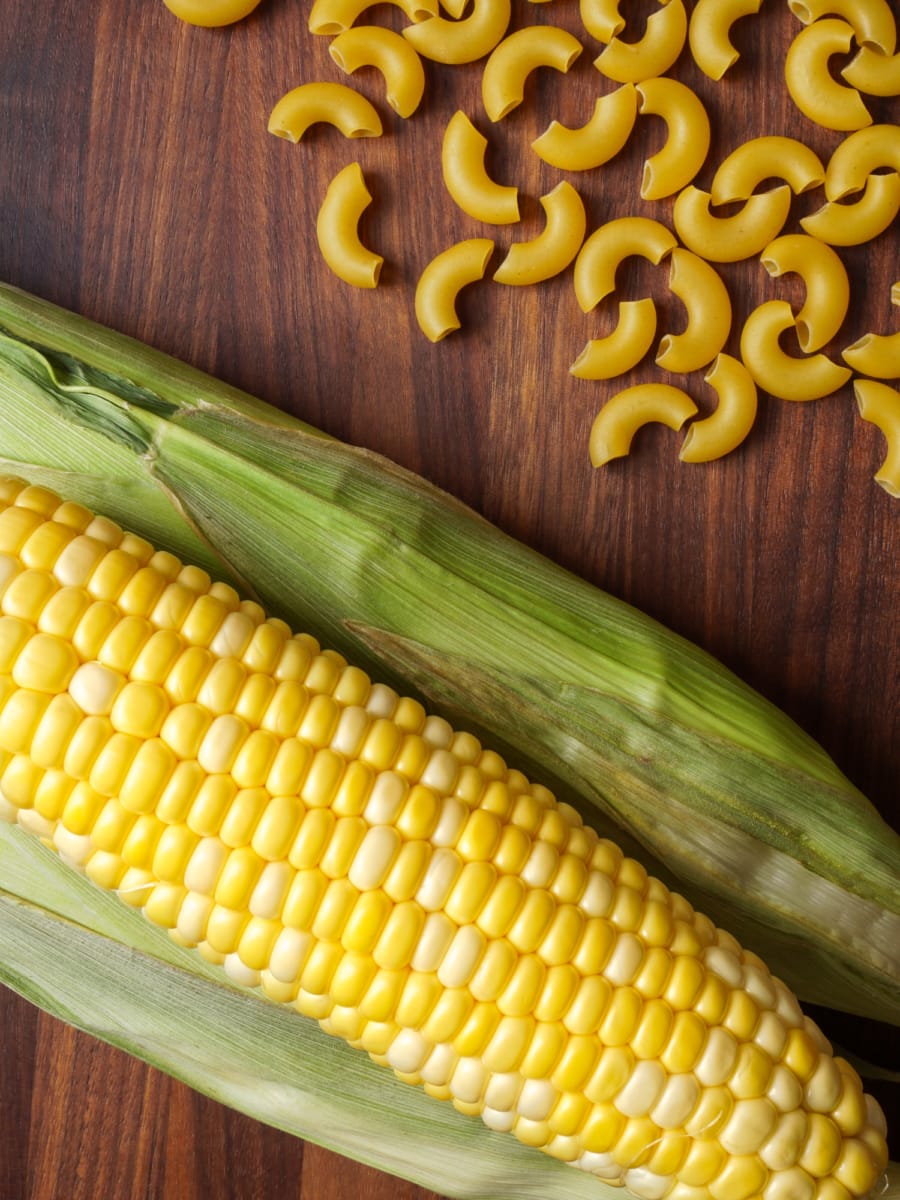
(326, 840)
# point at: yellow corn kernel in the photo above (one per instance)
(140, 843)
(111, 827)
(51, 795)
(383, 995)
(509, 1043)
(15, 633)
(224, 929)
(559, 989)
(222, 686)
(417, 1000)
(141, 593)
(712, 1001)
(20, 780)
(399, 937)
(320, 967)
(702, 1163)
(276, 827)
(158, 657)
(27, 594)
(621, 1018)
(286, 710)
(147, 772)
(334, 909)
(322, 778)
(173, 851)
(46, 663)
(289, 768)
(238, 878)
(741, 1177)
(203, 620)
(242, 817)
(635, 1143)
(88, 740)
(187, 674)
(178, 794)
(419, 815)
(313, 836)
(113, 763)
(105, 870)
(55, 731)
(412, 757)
(533, 920)
(602, 1129)
(470, 892)
(17, 524)
(801, 1054)
(365, 922)
(406, 875)
(476, 1031)
(654, 1029)
(211, 804)
(111, 574)
(544, 1051)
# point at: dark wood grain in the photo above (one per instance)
(138, 185)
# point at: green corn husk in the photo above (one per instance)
(658, 744)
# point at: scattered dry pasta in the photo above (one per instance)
(517, 56)
(877, 354)
(777, 372)
(810, 83)
(687, 142)
(389, 53)
(337, 229)
(872, 21)
(651, 55)
(739, 236)
(596, 142)
(862, 219)
(465, 40)
(709, 33)
(859, 156)
(628, 411)
(466, 178)
(211, 14)
(704, 295)
(874, 73)
(624, 347)
(731, 422)
(555, 246)
(825, 280)
(329, 103)
(758, 159)
(601, 18)
(329, 17)
(609, 246)
(880, 404)
(442, 281)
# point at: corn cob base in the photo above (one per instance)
(327, 841)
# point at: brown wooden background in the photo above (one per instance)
(139, 186)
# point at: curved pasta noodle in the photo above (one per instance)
(724, 429)
(770, 157)
(709, 33)
(601, 18)
(628, 411)
(619, 351)
(329, 103)
(700, 289)
(513, 60)
(811, 85)
(463, 41)
(880, 404)
(466, 178)
(596, 142)
(872, 21)
(389, 53)
(825, 280)
(609, 246)
(328, 17)
(555, 246)
(877, 354)
(777, 372)
(651, 55)
(337, 229)
(687, 140)
(874, 73)
(211, 14)
(442, 281)
(858, 156)
(730, 239)
(860, 221)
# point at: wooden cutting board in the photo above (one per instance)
(139, 186)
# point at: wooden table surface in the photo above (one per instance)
(138, 185)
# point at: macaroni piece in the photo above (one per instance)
(813, 88)
(328, 17)
(777, 372)
(337, 230)
(763, 158)
(601, 19)
(389, 53)
(858, 156)
(877, 354)
(651, 55)
(466, 40)
(467, 180)
(595, 143)
(630, 410)
(211, 14)
(730, 239)
(609, 246)
(880, 404)
(825, 280)
(510, 64)
(455, 8)
(874, 73)
(555, 246)
(872, 21)
(700, 289)
(861, 221)
(442, 281)
(331, 103)
(619, 351)
(709, 33)
(687, 141)
(725, 429)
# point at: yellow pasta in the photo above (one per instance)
(509, 65)
(596, 142)
(329, 17)
(329, 103)
(770, 157)
(810, 83)
(877, 354)
(780, 373)
(861, 220)
(700, 289)
(465, 40)
(466, 178)
(732, 420)
(880, 404)
(730, 239)
(709, 33)
(601, 18)
(389, 53)
(872, 21)
(337, 229)
(455, 8)
(874, 73)
(687, 140)
(619, 351)
(442, 281)
(628, 411)
(652, 54)
(858, 156)
(609, 246)
(825, 280)
(211, 14)
(555, 246)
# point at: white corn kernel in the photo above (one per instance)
(725, 964)
(434, 941)
(408, 1051)
(271, 888)
(438, 732)
(382, 701)
(375, 857)
(536, 1099)
(499, 1120)
(503, 1090)
(440, 1065)
(625, 961)
(238, 971)
(462, 956)
(646, 1184)
(468, 1080)
(204, 866)
(718, 1058)
(352, 726)
(598, 896)
(290, 952)
(389, 791)
(642, 1090)
(454, 815)
(677, 1102)
(94, 688)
